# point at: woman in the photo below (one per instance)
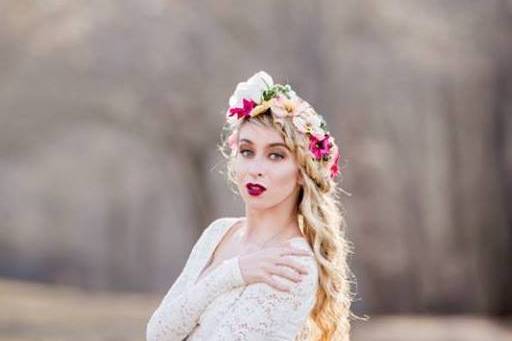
(280, 272)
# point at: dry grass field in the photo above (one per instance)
(47, 312)
(44, 312)
(434, 328)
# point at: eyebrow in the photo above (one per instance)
(269, 145)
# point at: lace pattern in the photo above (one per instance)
(222, 307)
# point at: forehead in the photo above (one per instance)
(259, 134)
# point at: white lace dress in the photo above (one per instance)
(221, 306)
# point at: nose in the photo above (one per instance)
(255, 169)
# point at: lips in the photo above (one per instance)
(255, 189)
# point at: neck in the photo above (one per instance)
(262, 225)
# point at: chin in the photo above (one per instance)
(261, 203)
(255, 202)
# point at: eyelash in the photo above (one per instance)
(247, 150)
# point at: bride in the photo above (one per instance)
(280, 272)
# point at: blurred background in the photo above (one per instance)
(110, 112)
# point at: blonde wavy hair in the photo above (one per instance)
(321, 220)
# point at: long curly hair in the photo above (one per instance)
(321, 220)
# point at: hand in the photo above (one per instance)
(259, 266)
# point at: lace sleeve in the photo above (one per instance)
(179, 314)
(179, 284)
(265, 313)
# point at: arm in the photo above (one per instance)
(180, 282)
(181, 308)
(264, 313)
(178, 315)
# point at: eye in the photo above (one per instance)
(280, 157)
(277, 156)
(243, 151)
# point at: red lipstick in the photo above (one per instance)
(255, 189)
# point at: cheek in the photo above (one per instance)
(285, 175)
(238, 167)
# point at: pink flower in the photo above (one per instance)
(334, 167)
(233, 139)
(284, 107)
(320, 148)
(245, 110)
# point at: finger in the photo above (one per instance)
(294, 251)
(296, 266)
(284, 242)
(275, 284)
(286, 273)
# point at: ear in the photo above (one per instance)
(300, 178)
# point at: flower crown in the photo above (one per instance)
(259, 93)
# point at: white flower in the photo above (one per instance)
(252, 89)
(293, 96)
(309, 122)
